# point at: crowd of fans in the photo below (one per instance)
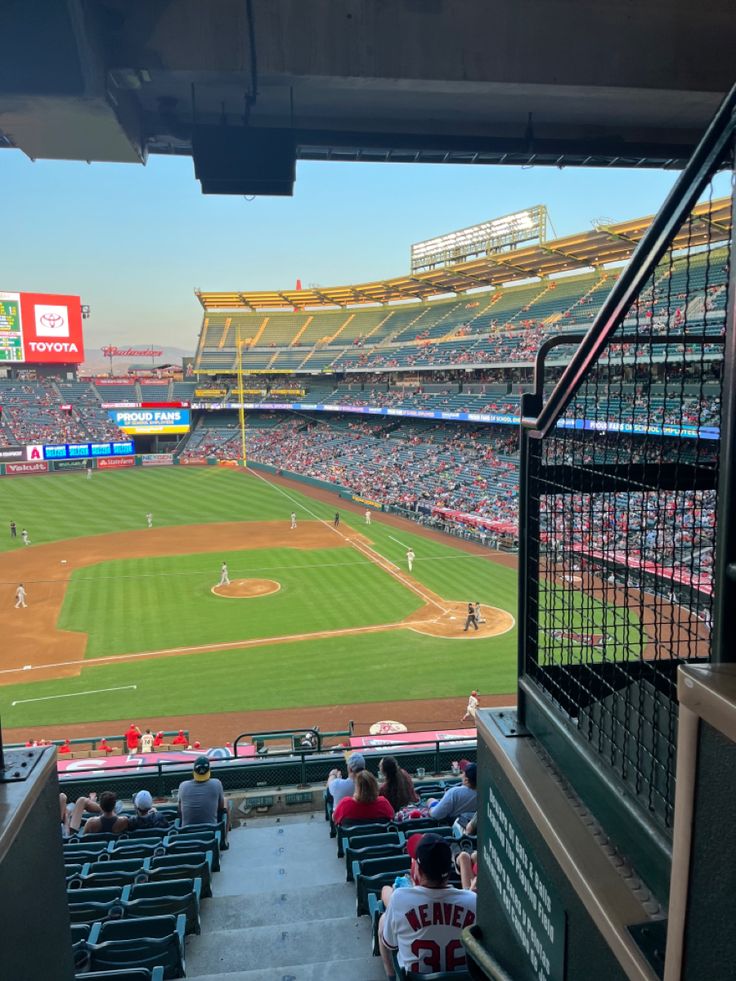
(37, 412)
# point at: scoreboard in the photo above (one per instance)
(11, 335)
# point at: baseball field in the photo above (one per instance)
(128, 622)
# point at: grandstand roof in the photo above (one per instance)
(605, 244)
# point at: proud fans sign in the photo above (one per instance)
(41, 328)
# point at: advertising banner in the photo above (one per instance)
(74, 451)
(151, 422)
(12, 453)
(157, 459)
(70, 465)
(214, 393)
(52, 328)
(114, 463)
(227, 463)
(34, 452)
(18, 469)
(11, 331)
(193, 461)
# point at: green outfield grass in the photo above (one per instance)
(155, 603)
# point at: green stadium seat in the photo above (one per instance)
(360, 847)
(121, 872)
(89, 844)
(174, 896)
(346, 827)
(153, 941)
(144, 848)
(90, 905)
(190, 865)
(220, 826)
(401, 974)
(79, 935)
(130, 974)
(373, 874)
(185, 841)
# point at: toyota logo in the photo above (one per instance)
(53, 321)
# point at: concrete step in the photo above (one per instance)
(312, 902)
(264, 948)
(354, 969)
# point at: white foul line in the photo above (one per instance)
(397, 541)
(370, 553)
(73, 694)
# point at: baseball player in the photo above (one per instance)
(471, 617)
(336, 522)
(20, 597)
(479, 618)
(410, 556)
(224, 577)
(293, 520)
(367, 516)
(24, 536)
(13, 530)
(149, 519)
(89, 472)
(472, 707)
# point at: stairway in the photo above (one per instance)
(282, 910)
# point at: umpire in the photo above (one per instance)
(472, 617)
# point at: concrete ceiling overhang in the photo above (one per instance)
(561, 82)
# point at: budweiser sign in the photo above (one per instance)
(131, 352)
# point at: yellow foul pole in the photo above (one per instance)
(241, 399)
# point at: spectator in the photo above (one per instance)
(459, 802)
(397, 786)
(66, 746)
(109, 820)
(339, 786)
(132, 735)
(146, 815)
(423, 922)
(71, 814)
(365, 804)
(104, 745)
(202, 799)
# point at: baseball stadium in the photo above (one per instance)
(476, 516)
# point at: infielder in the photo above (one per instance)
(293, 520)
(20, 597)
(479, 618)
(472, 707)
(224, 577)
(149, 519)
(367, 516)
(24, 536)
(336, 522)
(89, 473)
(410, 556)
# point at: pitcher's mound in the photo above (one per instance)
(247, 588)
(430, 620)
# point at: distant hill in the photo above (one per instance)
(95, 361)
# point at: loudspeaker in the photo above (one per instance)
(244, 160)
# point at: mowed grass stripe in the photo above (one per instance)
(152, 603)
(338, 670)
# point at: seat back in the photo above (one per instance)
(188, 866)
(375, 873)
(126, 974)
(371, 851)
(344, 830)
(177, 896)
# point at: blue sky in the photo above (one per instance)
(134, 242)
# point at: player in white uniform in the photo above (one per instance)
(224, 577)
(149, 519)
(89, 472)
(20, 597)
(24, 536)
(293, 520)
(472, 707)
(367, 516)
(423, 922)
(410, 556)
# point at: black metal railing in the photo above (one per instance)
(619, 508)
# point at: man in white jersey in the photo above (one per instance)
(20, 597)
(224, 577)
(293, 520)
(410, 556)
(367, 516)
(423, 922)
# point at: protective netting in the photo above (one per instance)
(624, 488)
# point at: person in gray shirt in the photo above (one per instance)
(458, 802)
(339, 786)
(202, 799)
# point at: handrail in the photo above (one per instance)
(693, 180)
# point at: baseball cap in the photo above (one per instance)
(143, 801)
(356, 762)
(432, 853)
(471, 772)
(201, 769)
